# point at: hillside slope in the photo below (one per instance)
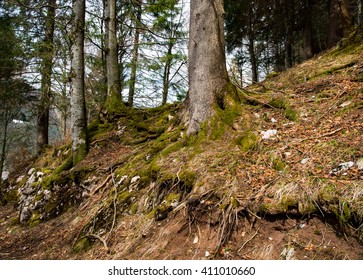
(279, 178)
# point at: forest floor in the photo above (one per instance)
(296, 193)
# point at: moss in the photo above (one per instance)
(247, 141)
(66, 165)
(172, 197)
(124, 196)
(34, 220)
(188, 177)
(234, 202)
(14, 221)
(272, 75)
(80, 153)
(82, 245)
(10, 196)
(284, 104)
(134, 207)
(278, 164)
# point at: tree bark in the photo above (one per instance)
(166, 74)
(135, 54)
(78, 104)
(360, 4)
(3, 148)
(207, 62)
(308, 32)
(113, 71)
(251, 47)
(47, 55)
(339, 24)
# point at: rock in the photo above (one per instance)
(305, 160)
(135, 179)
(342, 167)
(25, 215)
(268, 134)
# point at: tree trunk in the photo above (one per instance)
(3, 148)
(339, 24)
(207, 62)
(360, 4)
(47, 55)
(289, 11)
(113, 71)
(166, 74)
(135, 54)
(308, 32)
(78, 104)
(251, 47)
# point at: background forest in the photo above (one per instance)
(138, 50)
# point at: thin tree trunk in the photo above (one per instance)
(78, 104)
(251, 48)
(288, 34)
(135, 54)
(166, 75)
(113, 74)
(360, 4)
(208, 75)
(46, 81)
(3, 148)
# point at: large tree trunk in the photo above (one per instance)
(207, 62)
(113, 71)
(78, 104)
(47, 55)
(339, 24)
(135, 54)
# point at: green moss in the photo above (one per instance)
(14, 221)
(284, 104)
(34, 220)
(10, 196)
(172, 197)
(124, 196)
(134, 207)
(247, 141)
(188, 177)
(82, 245)
(66, 165)
(80, 153)
(278, 164)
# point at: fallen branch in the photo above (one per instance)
(321, 136)
(101, 185)
(100, 239)
(244, 244)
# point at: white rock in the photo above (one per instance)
(135, 179)
(305, 160)
(196, 239)
(207, 254)
(268, 133)
(273, 120)
(342, 166)
(170, 117)
(345, 104)
(31, 171)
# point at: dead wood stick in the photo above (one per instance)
(321, 136)
(102, 185)
(244, 244)
(100, 239)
